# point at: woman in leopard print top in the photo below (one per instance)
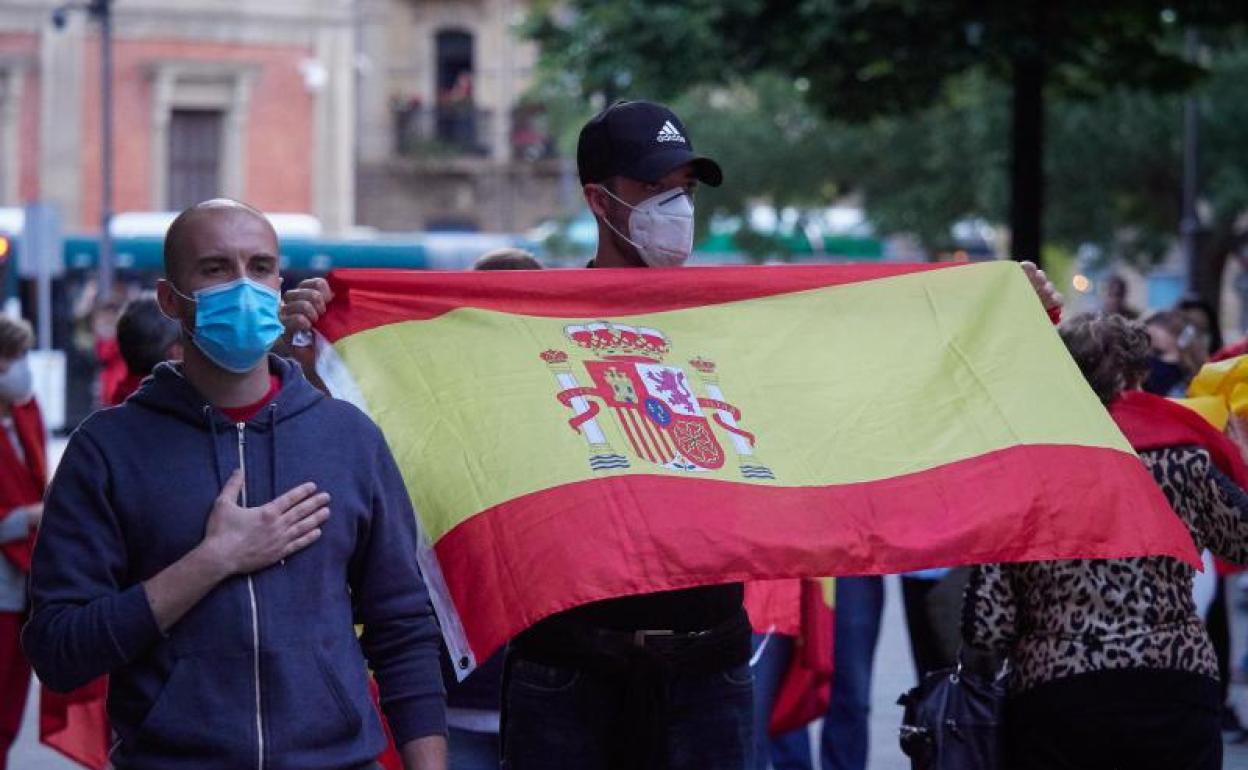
(1111, 665)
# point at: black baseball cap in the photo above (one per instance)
(639, 140)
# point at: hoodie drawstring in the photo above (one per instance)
(216, 456)
(273, 453)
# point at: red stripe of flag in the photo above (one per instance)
(975, 511)
(622, 418)
(365, 299)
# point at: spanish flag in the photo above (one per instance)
(568, 436)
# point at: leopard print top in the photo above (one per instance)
(1061, 618)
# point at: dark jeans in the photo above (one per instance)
(925, 645)
(1120, 720)
(769, 670)
(569, 718)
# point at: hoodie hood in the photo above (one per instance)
(169, 392)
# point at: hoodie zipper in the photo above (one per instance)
(255, 610)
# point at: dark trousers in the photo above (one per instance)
(925, 645)
(571, 717)
(1116, 720)
(1219, 630)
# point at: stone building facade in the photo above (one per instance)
(253, 100)
(447, 139)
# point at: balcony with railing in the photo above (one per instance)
(462, 130)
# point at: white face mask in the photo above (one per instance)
(16, 385)
(660, 228)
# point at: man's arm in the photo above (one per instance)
(85, 620)
(428, 753)
(401, 638)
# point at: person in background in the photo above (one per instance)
(1204, 324)
(145, 337)
(846, 733)
(928, 622)
(23, 460)
(507, 259)
(1169, 362)
(1115, 301)
(1111, 666)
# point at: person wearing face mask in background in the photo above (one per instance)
(23, 457)
(210, 544)
(1175, 354)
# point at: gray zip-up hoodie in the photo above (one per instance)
(265, 671)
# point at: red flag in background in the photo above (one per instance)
(76, 723)
(802, 609)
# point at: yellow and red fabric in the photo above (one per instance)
(570, 436)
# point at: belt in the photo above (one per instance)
(561, 641)
(643, 662)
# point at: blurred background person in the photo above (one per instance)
(1116, 298)
(1207, 337)
(23, 455)
(145, 337)
(1171, 363)
(507, 259)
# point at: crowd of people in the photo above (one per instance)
(183, 551)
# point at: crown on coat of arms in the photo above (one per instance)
(554, 357)
(607, 339)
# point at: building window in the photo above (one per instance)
(194, 156)
(199, 131)
(457, 121)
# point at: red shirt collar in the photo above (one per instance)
(245, 413)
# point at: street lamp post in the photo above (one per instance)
(102, 11)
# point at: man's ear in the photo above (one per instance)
(167, 299)
(597, 199)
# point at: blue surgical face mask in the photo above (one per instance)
(235, 323)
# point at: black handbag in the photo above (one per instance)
(952, 721)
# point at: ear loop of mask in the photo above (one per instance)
(607, 220)
(190, 333)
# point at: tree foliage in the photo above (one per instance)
(907, 104)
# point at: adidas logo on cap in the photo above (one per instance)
(669, 133)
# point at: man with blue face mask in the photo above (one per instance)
(210, 543)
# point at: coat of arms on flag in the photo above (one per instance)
(656, 410)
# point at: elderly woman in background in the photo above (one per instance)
(22, 479)
(1111, 666)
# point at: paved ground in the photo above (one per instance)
(894, 673)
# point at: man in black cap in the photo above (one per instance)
(653, 682)
(658, 680)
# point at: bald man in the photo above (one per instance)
(210, 543)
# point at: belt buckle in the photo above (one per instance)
(640, 636)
